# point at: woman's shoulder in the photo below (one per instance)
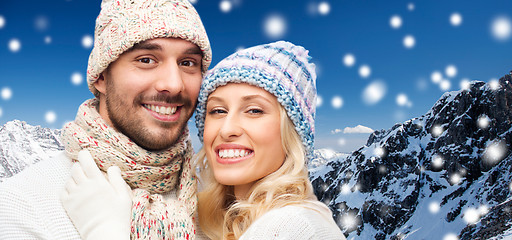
(299, 221)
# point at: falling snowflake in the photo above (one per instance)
(349, 221)
(379, 151)
(451, 71)
(483, 210)
(87, 41)
(434, 207)
(225, 6)
(14, 45)
(483, 121)
(494, 152)
(465, 84)
(2, 21)
(455, 179)
(403, 100)
(383, 169)
(445, 85)
(337, 102)
(342, 141)
(436, 77)
(437, 162)
(374, 92)
(76, 78)
(471, 216)
(47, 39)
(409, 41)
(451, 236)
(456, 19)
(319, 101)
(324, 8)
(501, 28)
(275, 26)
(349, 60)
(494, 84)
(410, 6)
(395, 21)
(6, 93)
(437, 131)
(50, 117)
(365, 71)
(41, 23)
(345, 189)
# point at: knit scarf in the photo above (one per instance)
(148, 173)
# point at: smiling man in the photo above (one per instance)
(145, 72)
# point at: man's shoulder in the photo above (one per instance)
(52, 171)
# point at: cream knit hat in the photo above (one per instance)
(124, 23)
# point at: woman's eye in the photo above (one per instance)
(255, 111)
(146, 60)
(216, 111)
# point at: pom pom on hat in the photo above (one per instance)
(124, 23)
(282, 69)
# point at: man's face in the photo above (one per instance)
(151, 90)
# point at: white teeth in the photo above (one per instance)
(161, 109)
(233, 153)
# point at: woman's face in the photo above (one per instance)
(242, 135)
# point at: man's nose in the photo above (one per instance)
(170, 80)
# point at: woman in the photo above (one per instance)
(255, 116)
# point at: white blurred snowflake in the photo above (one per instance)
(6, 93)
(455, 179)
(379, 152)
(451, 71)
(483, 121)
(41, 23)
(437, 130)
(319, 101)
(465, 84)
(374, 92)
(349, 60)
(50, 117)
(403, 100)
(395, 21)
(2, 21)
(456, 19)
(324, 8)
(87, 41)
(1, 112)
(445, 85)
(494, 84)
(275, 26)
(451, 236)
(410, 6)
(342, 141)
(225, 6)
(436, 77)
(409, 41)
(471, 216)
(365, 71)
(14, 45)
(495, 152)
(47, 39)
(76, 78)
(434, 207)
(345, 189)
(349, 221)
(337, 102)
(501, 28)
(437, 162)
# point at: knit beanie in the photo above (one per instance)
(124, 23)
(282, 69)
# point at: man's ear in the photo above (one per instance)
(101, 84)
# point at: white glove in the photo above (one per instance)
(99, 208)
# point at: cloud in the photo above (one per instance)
(358, 129)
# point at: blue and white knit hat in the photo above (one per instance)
(280, 68)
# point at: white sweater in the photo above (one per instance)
(30, 205)
(298, 222)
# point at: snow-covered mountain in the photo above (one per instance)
(445, 175)
(22, 145)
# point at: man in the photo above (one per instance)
(145, 71)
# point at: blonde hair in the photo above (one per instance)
(221, 216)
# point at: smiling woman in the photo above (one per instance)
(255, 116)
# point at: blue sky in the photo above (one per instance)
(415, 51)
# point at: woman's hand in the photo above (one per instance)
(100, 208)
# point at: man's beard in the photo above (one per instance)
(126, 118)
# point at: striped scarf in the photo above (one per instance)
(148, 173)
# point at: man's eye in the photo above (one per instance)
(146, 60)
(188, 63)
